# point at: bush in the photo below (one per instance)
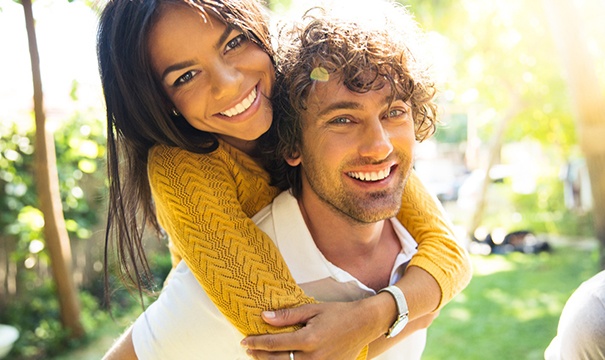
(80, 150)
(542, 212)
(37, 319)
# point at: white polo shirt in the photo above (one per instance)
(183, 323)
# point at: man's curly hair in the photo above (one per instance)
(363, 53)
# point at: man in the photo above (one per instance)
(347, 131)
(581, 330)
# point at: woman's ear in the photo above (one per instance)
(294, 159)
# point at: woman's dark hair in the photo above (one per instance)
(139, 116)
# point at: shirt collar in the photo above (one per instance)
(305, 261)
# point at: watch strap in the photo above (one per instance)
(402, 307)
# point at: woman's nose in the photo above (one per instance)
(226, 81)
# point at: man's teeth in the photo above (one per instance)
(370, 176)
(241, 107)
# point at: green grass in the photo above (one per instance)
(511, 308)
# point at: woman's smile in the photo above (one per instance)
(242, 106)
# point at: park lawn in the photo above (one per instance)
(511, 308)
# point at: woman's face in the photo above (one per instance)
(215, 77)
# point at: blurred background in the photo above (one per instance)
(518, 163)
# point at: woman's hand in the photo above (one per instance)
(335, 330)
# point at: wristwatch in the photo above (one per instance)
(402, 310)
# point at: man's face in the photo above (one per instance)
(356, 151)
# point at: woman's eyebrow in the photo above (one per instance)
(183, 64)
(228, 30)
(176, 67)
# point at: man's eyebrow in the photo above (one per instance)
(340, 105)
(350, 105)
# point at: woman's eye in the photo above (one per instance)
(185, 78)
(236, 42)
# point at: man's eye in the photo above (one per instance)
(236, 42)
(340, 120)
(395, 112)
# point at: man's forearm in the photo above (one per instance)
(422, 295)
(382, 344)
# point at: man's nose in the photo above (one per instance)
(376, 141)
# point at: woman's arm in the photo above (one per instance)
(204, 202)
(439, 254)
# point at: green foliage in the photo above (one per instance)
(542, 211)
(37, 319)
(161, 264)
(501, 56)
(80, 155)
(500, 53)
(453, 130)
(278, 5)
(16, 180)
(80, 151)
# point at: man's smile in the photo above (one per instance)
(370, 175)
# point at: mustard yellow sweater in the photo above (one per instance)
(204, 202)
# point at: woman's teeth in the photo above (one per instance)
(370, 176)
(241, 107)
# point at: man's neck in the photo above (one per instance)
(365, 250)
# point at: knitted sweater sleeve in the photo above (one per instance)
(438, 252)
(204, 203)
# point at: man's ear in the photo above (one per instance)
(294, 159)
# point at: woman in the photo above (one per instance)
(186, 111)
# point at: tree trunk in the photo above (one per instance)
(47, 182)
(494, 155)
(587, 100)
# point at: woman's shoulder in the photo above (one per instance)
(164, 153)
(164, 159)
(164, 156)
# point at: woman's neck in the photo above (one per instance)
(246, 146)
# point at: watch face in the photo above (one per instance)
(399, 324)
